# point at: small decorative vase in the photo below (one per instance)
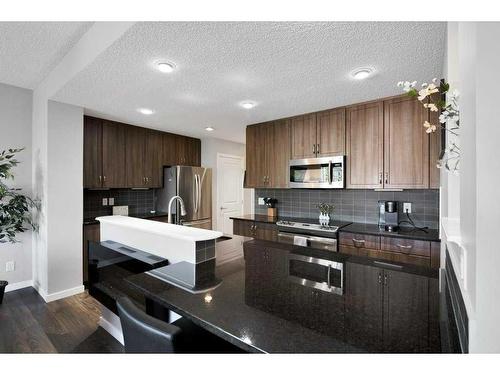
(324, 219)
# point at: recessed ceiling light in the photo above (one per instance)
(166, 67)
(247, 104)
(209, 129)
(362, 73)
(145, 111)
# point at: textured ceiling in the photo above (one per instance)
(287, 68)
(30, 50)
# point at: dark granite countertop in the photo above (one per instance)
(258, 308)
(140, 215)
(403, 232)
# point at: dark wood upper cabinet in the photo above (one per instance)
(330, 130)
(135, 151)
(406, 144)
(92, 152)
(435, 151)
(303, 138)
(267, 155)
(113, 154)
(278, 154)
(365, 146)
(153, 161)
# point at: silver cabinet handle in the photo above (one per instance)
(386, 177)
(328, 276)
(358, 243)
(380, 178)
(317, 148)
(385, 278)
(330, 172)
(380, 278)
(405, 246)
(100, 179)
(223, 208)
(314, 149)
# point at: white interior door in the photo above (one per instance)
(229, 190)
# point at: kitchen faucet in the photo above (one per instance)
(183, 208)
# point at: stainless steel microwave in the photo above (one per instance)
(317, 173)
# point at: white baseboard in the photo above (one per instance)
(19, 285)
(49, 297)
(111, 323)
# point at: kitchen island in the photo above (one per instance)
(355, 304)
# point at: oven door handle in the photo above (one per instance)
(330, 172)
(328, 277)
(309, 238)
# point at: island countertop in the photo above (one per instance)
(257, 308)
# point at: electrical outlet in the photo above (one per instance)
(407, 207)
(10, 266)
(261, 201)
(104, 201)
(111, 201)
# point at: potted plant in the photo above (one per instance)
(15, 207)
(325, 210)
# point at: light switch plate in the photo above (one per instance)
(111, 201)
(407, 207)
(261, 201)
(104, 201)
(10, 266)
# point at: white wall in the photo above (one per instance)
(209, 149)
(65, 197)
(15, 130)
(475, 62)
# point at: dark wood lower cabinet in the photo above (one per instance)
(91, 233)
(258, 230)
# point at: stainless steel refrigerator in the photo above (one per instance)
(194, 186)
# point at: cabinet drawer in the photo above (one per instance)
(359, 240)
(386, 256)
(404, 246)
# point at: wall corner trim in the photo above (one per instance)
(19, 285)
(49, 297)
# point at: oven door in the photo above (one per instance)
(323, 243)
(317, 273)
(317, 173)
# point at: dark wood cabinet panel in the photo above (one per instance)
(331, 132)
(365, 146)
(278, 154)
(264, 231)
(364, 308)
(359, 240)
(135, 152)
(153, 160)
(406, 315)
(169, 150)
(193, 152)
(303, 136)
(406, 246)
(406, 144)
(434, 152)
(255, 156)
(243, 227)
(92, 152)
(113, 154)
(91, 233)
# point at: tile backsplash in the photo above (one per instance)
(352, 205)
(139, 201)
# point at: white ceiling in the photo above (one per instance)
(287, 68)
(30, 50)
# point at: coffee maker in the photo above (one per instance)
(388, 215)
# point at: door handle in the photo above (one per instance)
(317, 148)
(195, 193)
(380, 178)
(314, 149)
(386, 177)
(330, 171)
(358, 243)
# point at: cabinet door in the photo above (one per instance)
(255, 156)
(406, 144)
(92, 152)
(264, 231)
(331, 132)
(134, 155)
(181, 147)
(364, 312)
(303, 141)
(278, 151)
(365, 146)
(243, 227)
(434, 152)
(91, 233)
(169, 151)
(193, 152)
(153, 160)
(406, 312)
(113, 154)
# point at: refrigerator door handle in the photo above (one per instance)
(199, 193)
(195, 193)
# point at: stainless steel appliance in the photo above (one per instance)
(388, 217)
(309, 234)
(316, 272)
(194, 186)
(317, 173)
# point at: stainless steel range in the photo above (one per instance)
(309, 234)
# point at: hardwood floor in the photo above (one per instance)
(70, 325)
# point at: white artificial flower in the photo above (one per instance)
(431, 106)
(400, 83)
(434, 80)
(429, 127)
